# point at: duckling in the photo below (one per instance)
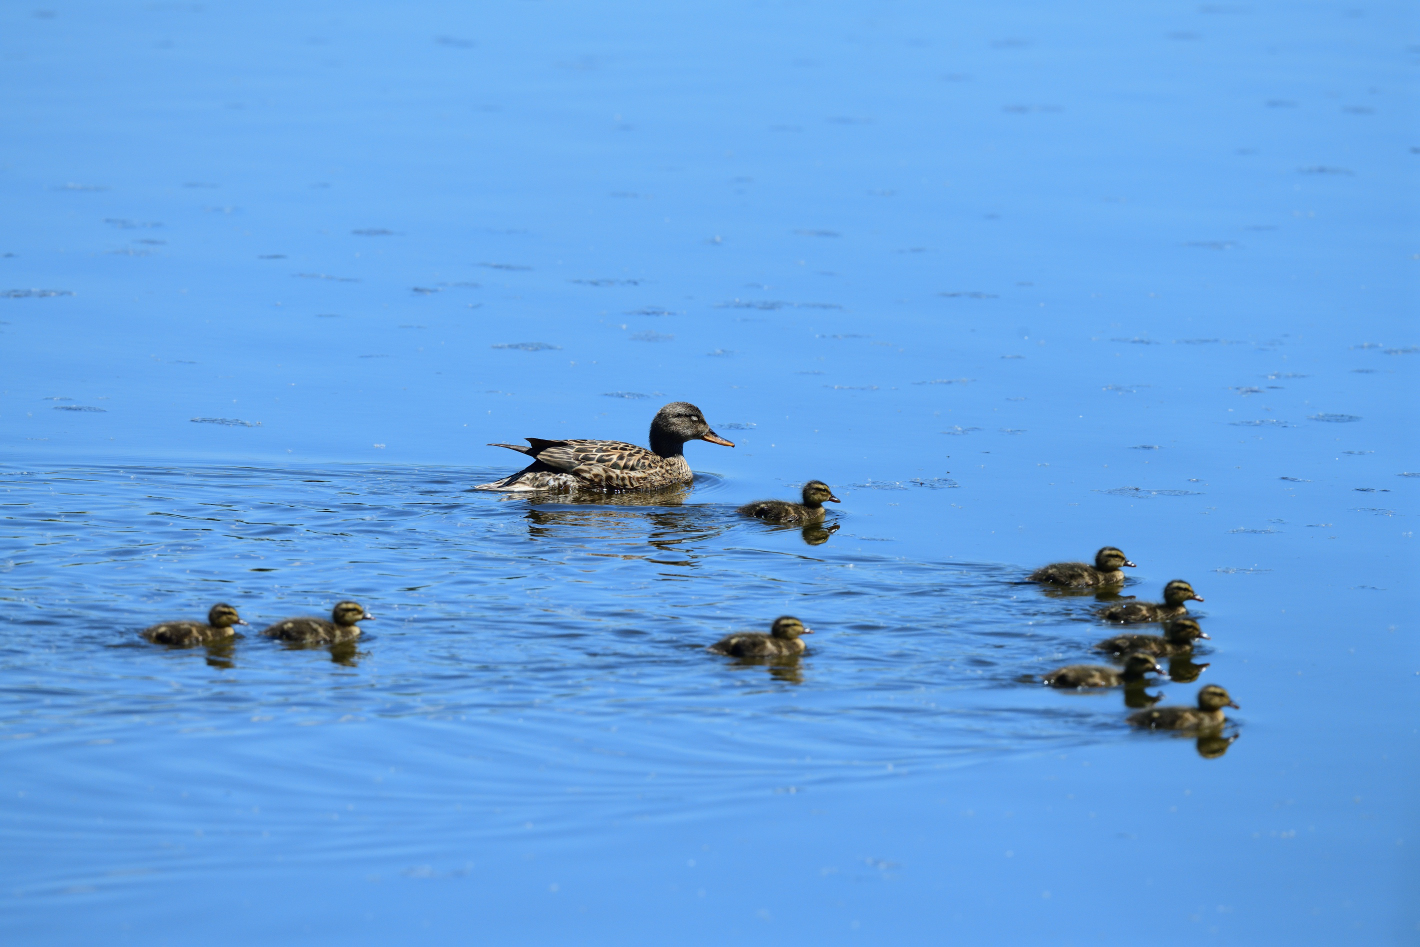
(220, 620)
(1178, 638)
(782, 641)
(1097, 675)
(816, 493)
(1105, 571)
(1207, 716)
(1175, 594)
(341, 627)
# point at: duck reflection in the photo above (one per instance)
(781, 669)
(675, 495)
(673, 532)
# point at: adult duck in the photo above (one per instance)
(815, 494)
(1109, 562)
(184, 634)
(575, 464)
(341, 627)
(1175, 594)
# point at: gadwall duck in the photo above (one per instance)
(565, 465)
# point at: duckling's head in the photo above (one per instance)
(678, 422)
(817, 493)
(348, 613)
(1178, 591)
(1110, 559)
(1184, 631)
(1137, 664)
(223, 615)
(789, 628)
(1214, 697)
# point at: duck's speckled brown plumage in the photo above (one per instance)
(1175, 594)
(341, 627)
(782, 641)
(1208, 715)
(578, 464)
(1098, 675)
(1178, 638)
(185, 634)
(1081, 575)
(815, 494)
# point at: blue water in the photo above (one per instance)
(1017, 280)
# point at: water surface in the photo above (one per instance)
(1018, 282)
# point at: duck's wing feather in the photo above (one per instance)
(570, 455)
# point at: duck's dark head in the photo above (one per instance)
(678, 422)
(789, 628)
(1214, 697)
(1178, 591)
(1183, 631)
(1137, 664)
(223, 615)
(349, 613)
(1110, 559)
(817, 493)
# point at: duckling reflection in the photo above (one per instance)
(341, 627)
(1137, 697)
(1098, 675)
(815, 494)
(1109, 562)
(185, 634)
(1210, 746)
(783, 641)
(1178, 638)
(1176, 593)
(222, 654)
(1183, 670)
(781, 669)
(344, 653)
(816, 535)
(1208, 715)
